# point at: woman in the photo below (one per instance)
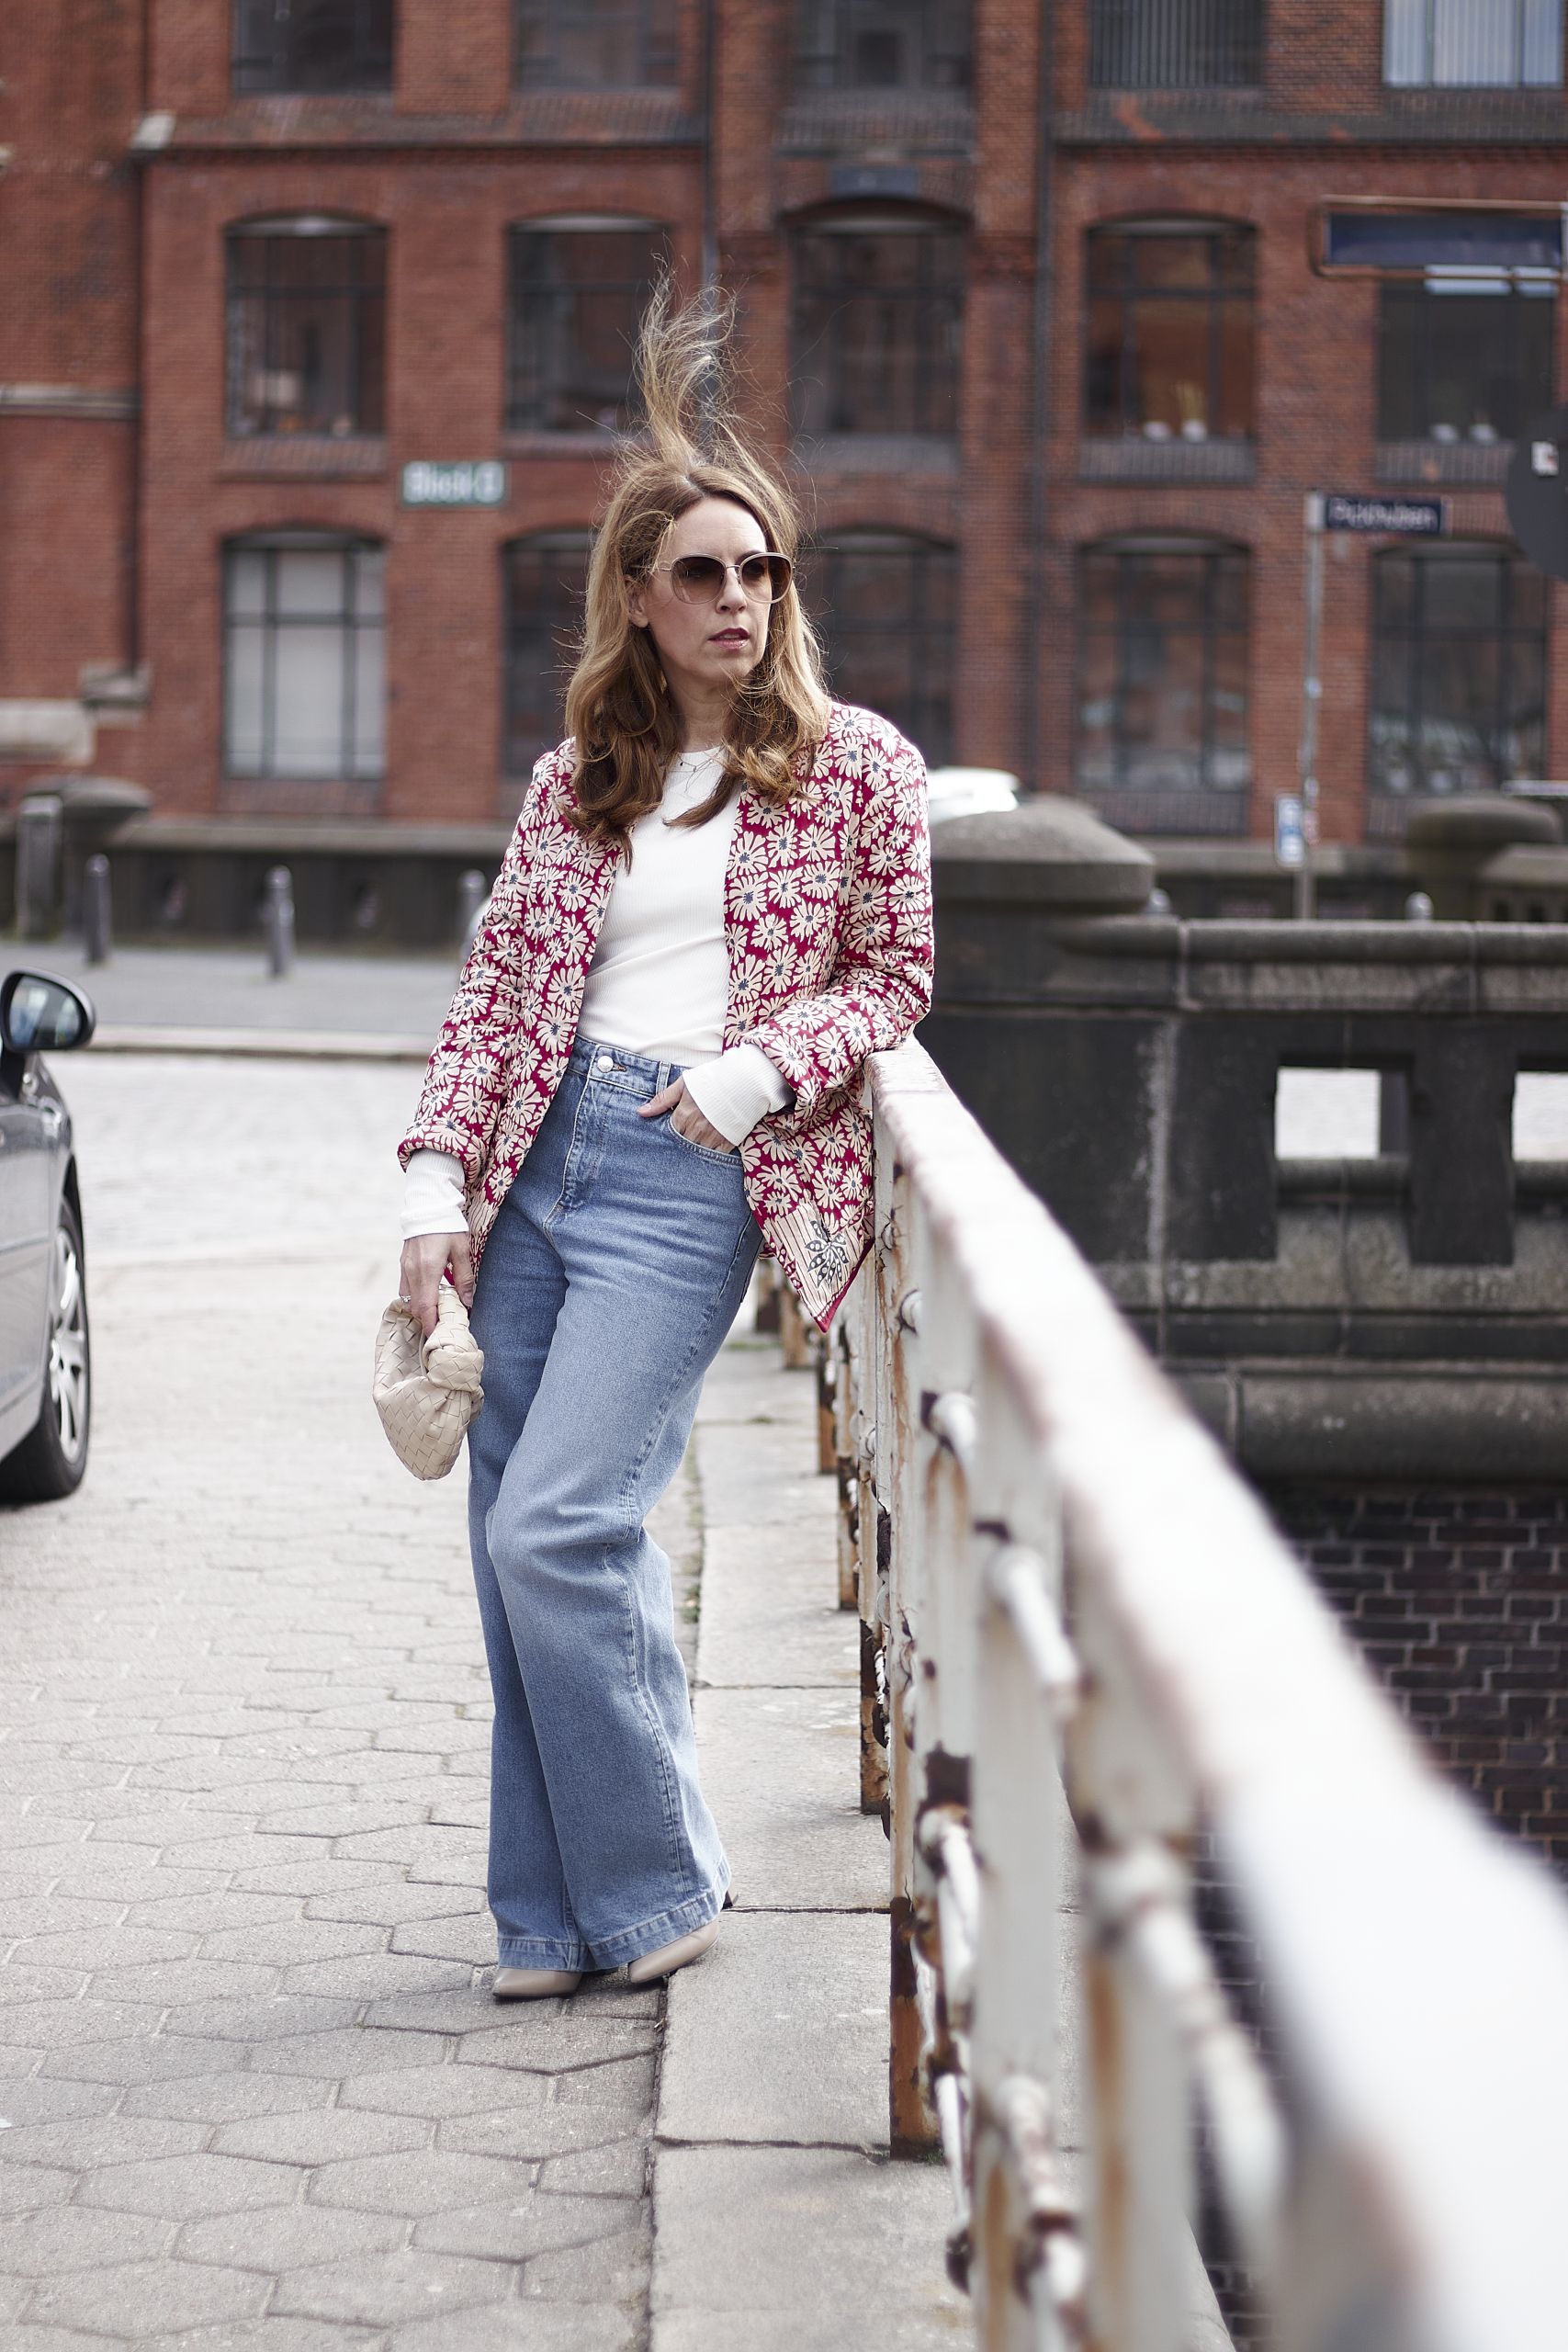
(716, 904)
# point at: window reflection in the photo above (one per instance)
(1459, 670)
(884, 602)
(1170, 331)
(1163, 674)
(544, 577)
(877, 325)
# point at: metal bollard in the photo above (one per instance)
(97, 908)
(37, 867)
(1418, 906)
(472, 892)
(277, 921)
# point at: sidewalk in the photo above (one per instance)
(780, 2223)
(371, 1003)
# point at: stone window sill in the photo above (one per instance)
(534, 443)
(875, 453)
(1483, 464)
(318, 456)
(1131, 459)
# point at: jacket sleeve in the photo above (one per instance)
(465, 1085)
(881, 981)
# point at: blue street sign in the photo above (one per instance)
(1290, 830)
(1417, 518)
(468, 482)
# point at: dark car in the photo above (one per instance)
(45, 1371)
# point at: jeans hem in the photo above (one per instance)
(538, 1951)
(664, 1927)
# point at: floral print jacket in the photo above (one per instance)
(827, 922)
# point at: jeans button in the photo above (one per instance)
(606, 1061)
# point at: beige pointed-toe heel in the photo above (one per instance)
(670, 1957)
(534, 1984)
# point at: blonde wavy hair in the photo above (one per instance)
(618, 706)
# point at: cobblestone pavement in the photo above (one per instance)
(258, 2097)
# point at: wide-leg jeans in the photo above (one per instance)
(615, 1268)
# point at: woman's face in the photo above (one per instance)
(718, 640)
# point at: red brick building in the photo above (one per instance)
(314, 313)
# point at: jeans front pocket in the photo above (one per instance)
(730, 1158)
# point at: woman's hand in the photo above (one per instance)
(684, 1117)
(424, 1260)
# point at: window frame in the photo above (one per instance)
(934, 386)
(1512, 567)
(1128, 295)
(515, 764)
(271, 544)
(1510, 303)
(518, 416)
(820, 57)
(657, 57)
(1428, 33)
(277, 232)
(1212, 552)
(932, 667)
(276, 73)
(1148, 25)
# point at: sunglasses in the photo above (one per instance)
(699, 579)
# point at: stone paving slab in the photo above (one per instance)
(801, 2250)
(789, 1762)
(781, 2222)
(812, 1983)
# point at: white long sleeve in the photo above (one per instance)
(433, 1194)
(741, 1087)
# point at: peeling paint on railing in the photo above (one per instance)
(1082, 1644)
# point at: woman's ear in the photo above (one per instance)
(636, 604)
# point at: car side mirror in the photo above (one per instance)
(39, 1014)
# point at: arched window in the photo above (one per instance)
(595, 44)
(883, 45)
(1176, 44)
(313, 45)
(877, 323)
(578, 286)
(1163, 683)
(1459, 670)
(304, 656)
(1169, 336)
(543, 578)
(885, 602)
(307, 326)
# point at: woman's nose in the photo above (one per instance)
(732, 596)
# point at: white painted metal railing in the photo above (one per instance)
(1063, 1585)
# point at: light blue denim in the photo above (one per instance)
(616, 1266)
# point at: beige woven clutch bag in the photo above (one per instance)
(427, 1391)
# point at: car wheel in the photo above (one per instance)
(50, 1461)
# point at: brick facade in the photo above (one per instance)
(1459, 1602)
(118, 487)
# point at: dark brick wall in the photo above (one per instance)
(1458, 1601)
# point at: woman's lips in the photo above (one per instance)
(731, 636)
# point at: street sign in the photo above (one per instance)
(1538, 492)
(467, 482)
(1413, 518)
(1289, 831)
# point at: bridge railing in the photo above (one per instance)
(1087, 1659)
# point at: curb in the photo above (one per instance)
(272, 1044)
